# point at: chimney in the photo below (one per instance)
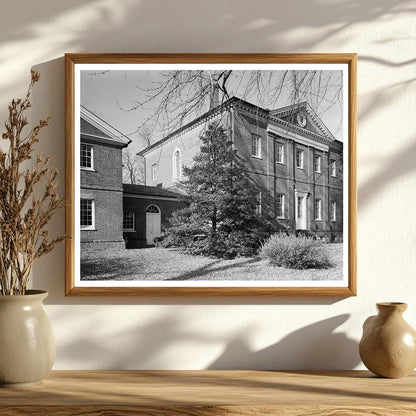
(215, 97)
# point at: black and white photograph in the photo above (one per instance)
(211, 175)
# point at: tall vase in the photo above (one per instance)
(388, 345)
(27, 346)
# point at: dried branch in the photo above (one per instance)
(24, 216)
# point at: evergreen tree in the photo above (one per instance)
(221, 216)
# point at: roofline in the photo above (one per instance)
(150, 196)
(92, 138)
(208, 114)
(327, 136)
(289, 107)
(312, 113)
(99, 123)
(146, 191)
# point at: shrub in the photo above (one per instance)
(182, 229)
(228, 245)
(193, 235)
(295, 252)
(222, 245)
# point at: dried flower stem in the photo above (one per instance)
(24, 216)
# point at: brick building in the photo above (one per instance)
(294, 160)
(291, 156)
(146, 211)
(101, 190)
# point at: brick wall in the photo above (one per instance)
(188, 143)
(137, 238)
(107, 167)
(270, 177)
(108, 216)
(274, 178)
(103, 184)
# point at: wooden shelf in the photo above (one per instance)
(211, 393)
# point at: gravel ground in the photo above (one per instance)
(171, 265)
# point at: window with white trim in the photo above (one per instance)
(177, 165)
(154, 172)
(255, 145)
(280, 205)
(299, 158)
(318, 209)
(87, 214)
(317, 163)
(280, 155)
(154, 209)
(333, 168)
(86, 156)
(128, 221)
(333, 211)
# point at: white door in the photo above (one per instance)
(152, 224)
(301, 211)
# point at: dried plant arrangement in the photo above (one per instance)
(28, 199)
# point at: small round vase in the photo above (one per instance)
(388, 345)
(27, 346)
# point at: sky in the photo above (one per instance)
(122, 97)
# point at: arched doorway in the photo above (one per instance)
(153, 221)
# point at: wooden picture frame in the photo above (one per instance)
(307, 146)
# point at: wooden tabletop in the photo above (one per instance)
(203, 393)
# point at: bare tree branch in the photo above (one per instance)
(133, 168)
(179, 95)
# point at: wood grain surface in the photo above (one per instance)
(203, 393)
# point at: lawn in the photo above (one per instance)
(171, 265)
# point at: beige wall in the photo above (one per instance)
(195, 333)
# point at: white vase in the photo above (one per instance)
(27, 346)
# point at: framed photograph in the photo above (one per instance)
(211, 174)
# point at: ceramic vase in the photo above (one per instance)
(27, 346)
(388, 345)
